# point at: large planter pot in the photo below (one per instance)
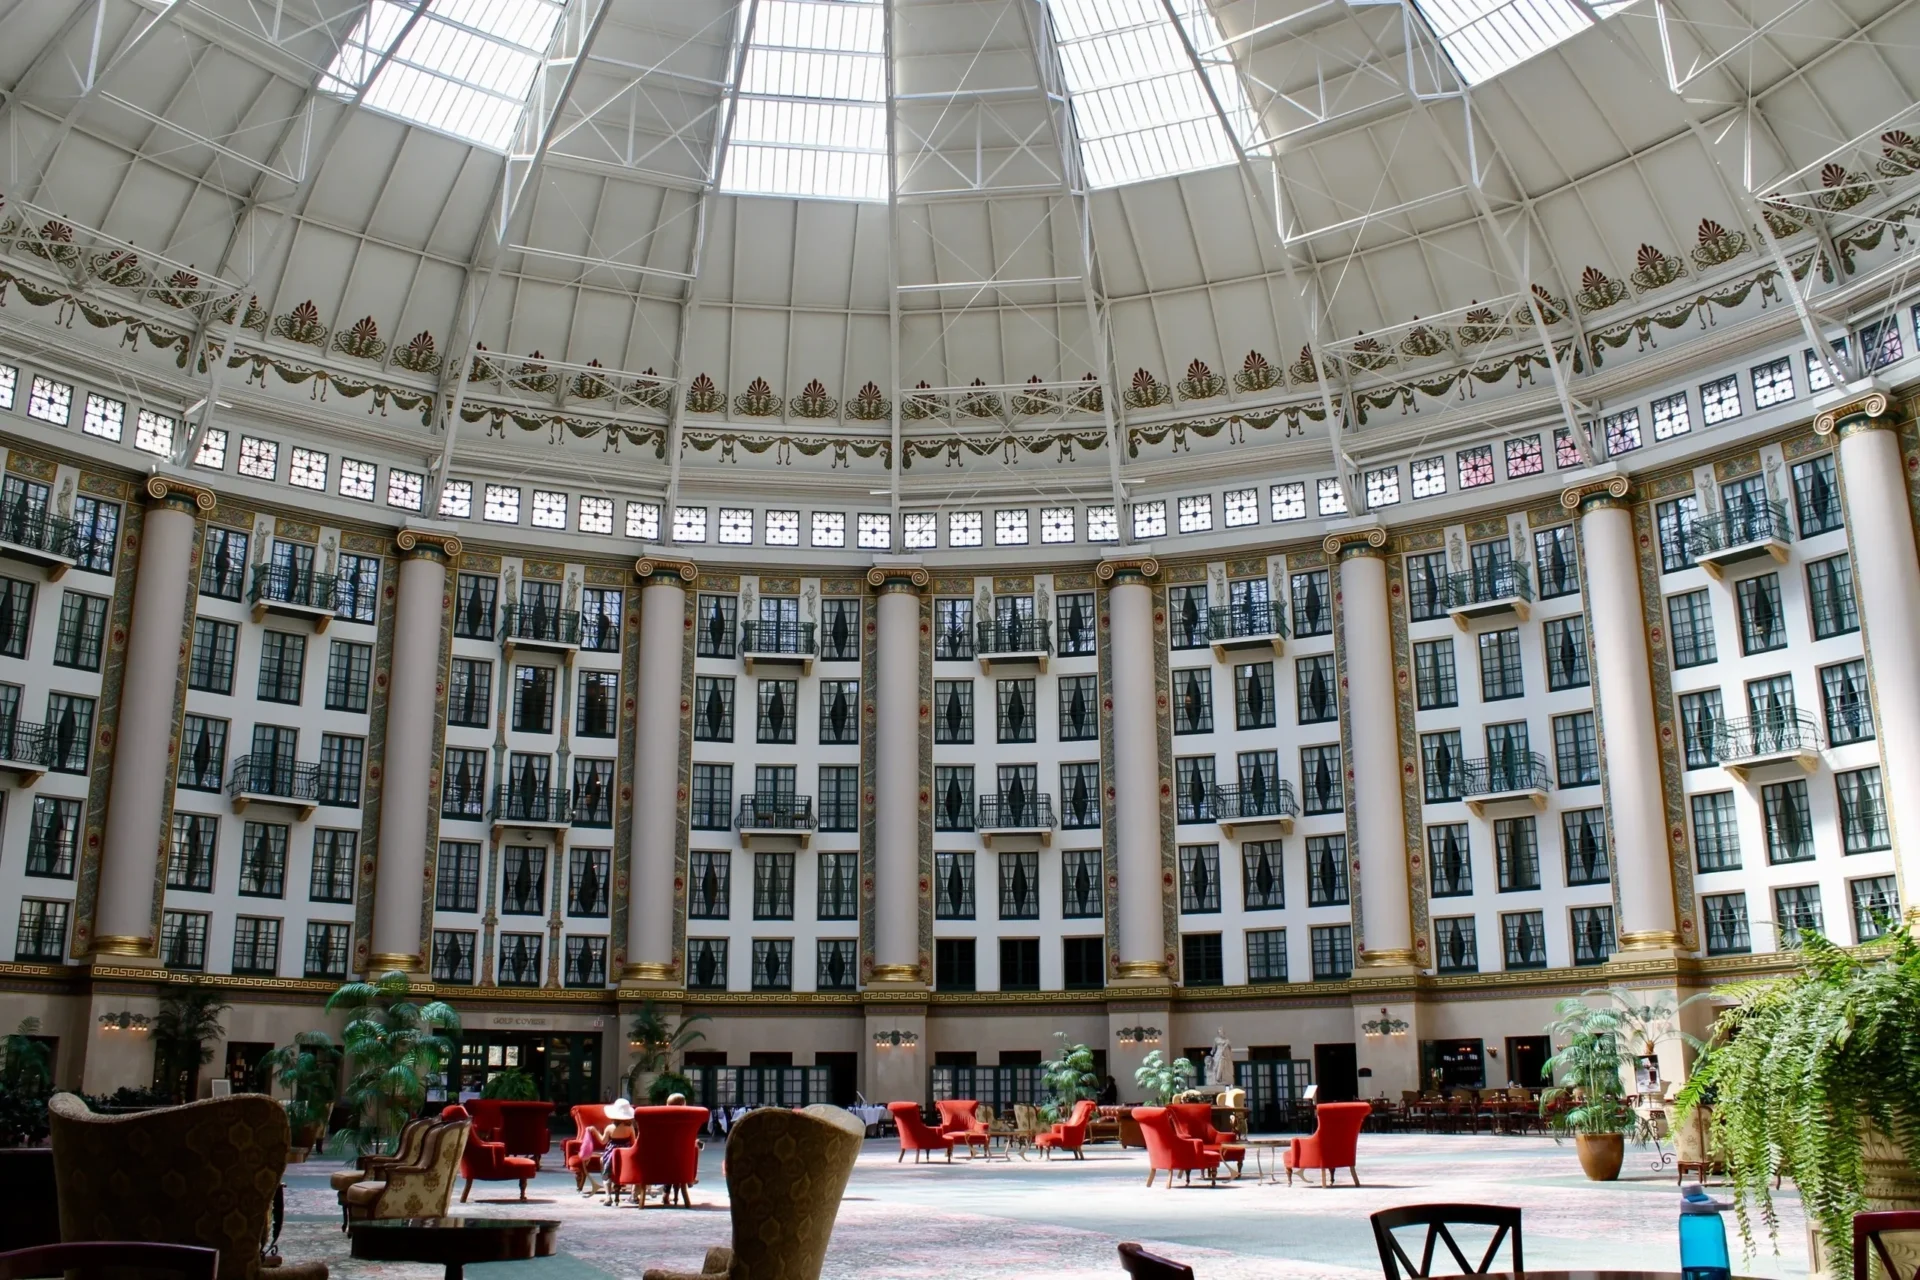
(1890, 1184)
(1600, 1154)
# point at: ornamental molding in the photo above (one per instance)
(1145, 566)
(647, 567)
(898, 577)
(1866, 413)
(1335, 544)
(160, 489)
(427, 542)
(1612, 487)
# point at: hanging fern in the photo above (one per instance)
(1799, 1068)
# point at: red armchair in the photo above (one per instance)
(916, 1135)
(590, 1115)
(960, 1121)
(665, 1154)
(485, 1161)
(524, 1128)
(1069, 1134)
(1195, 1120)
(1336, 1136)
(1170, 1150)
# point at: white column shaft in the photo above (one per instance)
(1136, 775)
(1367, 639)
(406, 798)
(656, 772)
(896, 780)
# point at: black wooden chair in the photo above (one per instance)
(1437, 1219)
(1141, 1265)
(1867, 1230)
(189, 1262)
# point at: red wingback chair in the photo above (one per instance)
(589, 1115)
(915, 1134)
(1171, 1150)
(1069, 1134)
(1336, 1136)
(487, 1161)
(524, 1128)
(960, 1120)
(665, 1153)
(1195, 1120)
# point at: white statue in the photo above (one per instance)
(1220, 1061)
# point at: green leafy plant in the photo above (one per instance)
(393, 1045)
(309, 1070)
(25, 1067)
(1586, 1076)
(182, 1033)
(511, 1085)
(665, 1085)
(657, 1046)
(1068, 1079)
(1800, 1069)
(23, 1119)
(1160, 1080)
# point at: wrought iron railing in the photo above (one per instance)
(1489, 585)
(538, 624)
(1274, 799)
(274, 776)
(1500, 774)
(1739, 523)
(517, 803)
(37, 529)
(1024, 635)
(1246, 619)
(1768, 734)
(775, 811)
(1015, 810)
(793, 638)
(22, 742)
(284, 584)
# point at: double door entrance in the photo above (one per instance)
(565, 1066)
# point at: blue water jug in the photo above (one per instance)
(1703, 1236)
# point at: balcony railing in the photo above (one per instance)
(1274, 799)
(1768, 738)
(282, 586)
(775, 812)
(1743, 530)
(777, 639)
(1489, 590)
(1015, 811)
(274, 778)
(539, 625)
(1024, 637)
(23, 746)
(1263, 620)
(540, 805)
(590, 807)
(1510, 775)
(45, 538)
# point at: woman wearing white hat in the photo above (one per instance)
(596, 1145)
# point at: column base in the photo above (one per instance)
(127, 949)
(644, 979)
(897, 975)
(1140, 973)
(388, 961)
(1650, 946)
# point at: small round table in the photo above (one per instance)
(455, 1242)
(1259, 1147)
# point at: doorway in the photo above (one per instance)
(565, 1066)
(844, 1078)
(1336, 1069)
(1527, 1060)
(1459, 1064)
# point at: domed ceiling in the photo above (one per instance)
(709, 235)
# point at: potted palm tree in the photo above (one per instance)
(657, 1046)
(309, 1070)
(1068, 1079)
(393, 1045)
(1586, 1078)
(1818, 1074)
(1160, 1080)
(182, 1033)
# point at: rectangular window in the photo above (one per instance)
(953, 968)
(713, 709)
(779, 711)
(1315, 683)
(1592, 934)
(1525, 935)
(1622, 432)
(1193, 700)
(1253, 700)
(876, 531)
(502, 504)
(717, 627)
(953, 886)
(356, 588)
(922, 530)
(1849, 711)
(1716, 832)
(83, 627)
(331, 875)
(1720, 400)
(1726, 920)
(1080, 878)
(533, 689)
(1266, 955)
(1879, 346)
(326, 951)
(1056, 524)
(1014, 718)
(586, 963)
(9, 380)
(1430, 476)
(1332, 946)
(839, 797)
(1576, 750)
(1442, 766)
(1773, 383)
(1690, 619)
(952, 712)
(456, 884)
(736, 527)
(1187, 609)
(190, 853)
(349, 673)
(463, 786)
(1566, 645)
(1701, 719)
(1199, 879)
(689, 524)
(521, 887)
(404, 489)
(1524, 457)
(1320, 773)
(1196, 513)
(1450, 860)
(1326, 871)
(1312, 605)
(837, 890)
(69, 732)
(1435, 682)
(953, 797)
(773, 886)
(519, 964)
(307, 469)
(203, 754)
(1763, 624)
(1516, 848)
(54, 838)
(836, 965)
(953, 630)
(212, 453)
(1789, 821)
(357, 479)
(707, 964)
(183, 940)
(1455, 946)
(1288, 501)
(839, 712)
(596, 711)
(1475, 466)
(1332, 497)
(1080, 796)
(1263, 876)
(340, 767)
(1202, 963)
(1584, 836)
(210, 666)
(1149, 520)
(1020, 886)
(259, 459)
(549, 509)
(1079, 709)
(1243, 507)
(600, 611)
(591, 802)
(256, 946)
(712, 797)
(263, 860)
(643, 521)
(1557, 560)
(1010, 527)
(1428, 581)
(16, 611)
(1795, 909)
(1816, 496)
(1566, 449)
(710, 877)
(473, 609)
(1863, 811)
(283, 658)
(1383, 487)
(1876, 907)
(96, 534)
(1500, 669)
(456, 500)
(965, 529)
(840, 631)
(50, 401)
(1073, 624)
(773, 964)
(1830, 596)
(1674, 522)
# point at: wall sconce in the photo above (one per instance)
(895, 1039)
(125, 1021)
(1384, 1025)
(1139, 1035)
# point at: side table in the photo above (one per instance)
(455, 1242)
(1261, 1160)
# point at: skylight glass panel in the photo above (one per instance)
(810, 117)
(1140, 108)
(1486, 37)
(464, 69)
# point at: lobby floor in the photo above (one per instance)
(1061, 1219)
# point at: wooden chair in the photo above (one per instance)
(189, 1262)
(1140, 1264)
(1867, 1230)
(1437, 1218)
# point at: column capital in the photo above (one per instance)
(417, 544)
(1870, 412)
(1143, 568)
(647, 568)
(899, 577)
(1369, 541)
(1597, 492)
(163, 491)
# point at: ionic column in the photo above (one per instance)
(413, 706)
(896, 775)
(658, 806)
(1623, 694)
(123, 920)
(1886, 580)
(1135, 785)
(1373, 718)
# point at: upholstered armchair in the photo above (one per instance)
(1170, 1150)
(1336, 1138)
(915, 1134)
(405, 1151)
(1070, 1134)
(665, 1153)
(786, 1172)
(524, 1128)
(422, 1189)
(591, 1115)
(960, 1121)
(203, 1174)
(485, 1161)
(1195, 1120)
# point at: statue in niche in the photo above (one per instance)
(327, 555)
(1042, 601)
(573, 592)
(811, 597)
(1220, 1060)
(1457, 551)
(510, 585)
(65, 504)
(1217, 585)
(1773, 478)
(262, 539)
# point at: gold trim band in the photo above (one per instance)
(646, 971)
(1394, 957)
(122, 944)
(1140, 969)
(382, 961)
(894, 973)
(1650, 940)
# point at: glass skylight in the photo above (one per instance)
(1138, 104)
(811, 117)
(465, 69)
(1486, 37)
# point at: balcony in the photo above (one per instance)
(1016, 642)
(549, 630)
(1489, 592)
(1775, 738)
(1018, 819)
(23, 749)
(777, 644)
(1512, 778)
(528, 805)
(775, 821)
(273, 780)
(292, 593)
(37, 536)
(1259, 811)
(1247, 625)
(1744, 530)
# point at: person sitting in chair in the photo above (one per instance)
(596, 1145)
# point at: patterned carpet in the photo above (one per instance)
(1061, 1219)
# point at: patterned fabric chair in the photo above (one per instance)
(419, 1190)
(1070, 1134)
(1170, 1150)
(960, 1121)
(1195, 1120)
(524, 1128)
(915, 1134)
(1336, 1138)
(405, 1151)
(204, 1174)
(786, 1172)
(587, 1115)
(665, 1154)
(485, 1161)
